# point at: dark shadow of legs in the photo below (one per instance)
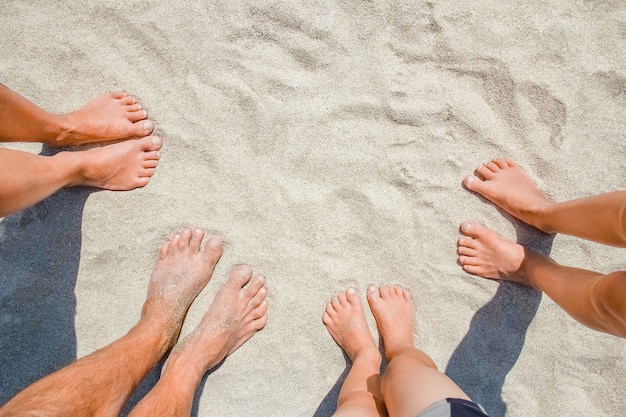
(329, 404)
(195, 408)
(144, 387)
(490, 349)
(39, 257)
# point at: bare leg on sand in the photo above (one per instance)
(101, 383)
(601, 218)
(360, 393)
(596, 300)
(112, 116)
(412, 383)
(237, 313)
(26, 179)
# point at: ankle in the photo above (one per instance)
(540, 216)
(368, 355)
(58, 131)
(393, 348)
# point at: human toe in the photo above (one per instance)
(255, 286)
(352, 296)
(471, 229)
(136, 115)
(240, 276)
(196, 240)
(185, 238)
(464, 250)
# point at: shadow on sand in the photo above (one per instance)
(495, 339)
(39, 257)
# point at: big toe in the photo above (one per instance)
(473, 229)
(473, 183)
(141, 127)
(240, 276)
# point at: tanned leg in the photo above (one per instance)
(596, 300)
(112, 116)
(360, 393)
(412, 382)
(238, 312)
(26, 178)
(601, 218)
(101, 383)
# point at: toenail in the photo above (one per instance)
(245, 270)
(215, 243)
(351, 290)
(145, 113)
(147, 125)
(466, 227)
(156, 141)
(371, 288)
(261, 278)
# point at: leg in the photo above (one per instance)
(412, 382)
(109, 117)
(601, 218)
(26, 179)
(360, 394)
(594, 299)
(235, 315)
(100, 384)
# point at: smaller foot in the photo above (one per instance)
(485, 253)
(181, 271)
(505, 184)
(238, 311)
(112, 116)
(393, 310)
(345, 320)
(119, 166)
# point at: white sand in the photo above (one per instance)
(325, 142)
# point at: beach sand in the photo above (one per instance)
(325, 142)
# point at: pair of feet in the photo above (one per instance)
(130, 156)
(392, 308)
(485, 253)
(181, 272)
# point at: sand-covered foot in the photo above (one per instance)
(392, 308)
(505, 184)
(119, 166)
(238, 311)
(345, 320)
(181, 271)
(112, 116)
(485, 253)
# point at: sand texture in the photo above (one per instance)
(325, 142)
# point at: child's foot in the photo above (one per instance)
(181, 271)
(119, 166)
(112, 116)
(392, 307)
(505, 184)
(345, 320)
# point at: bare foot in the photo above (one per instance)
(119, 166)
(238, 311)
(392, 307)
(485, 253)
(181, 271)
(112, 116)
(345, 320)
(505, 184)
